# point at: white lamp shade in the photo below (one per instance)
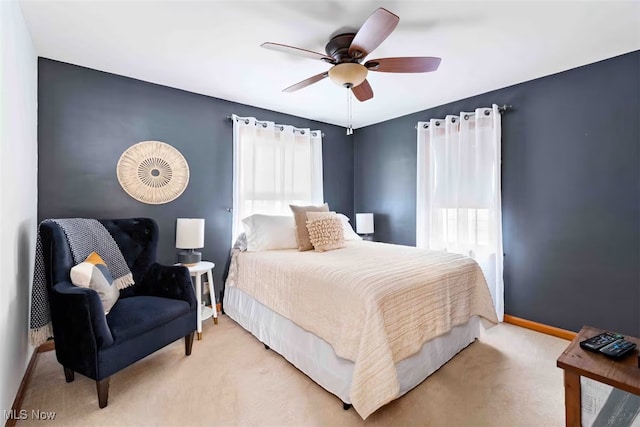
(364, 223)
(190, 233)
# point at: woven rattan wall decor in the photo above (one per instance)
(153, 172)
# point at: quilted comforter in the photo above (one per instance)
(374, 303)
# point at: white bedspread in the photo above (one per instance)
(375, 303)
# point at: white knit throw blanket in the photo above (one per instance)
(84, 236)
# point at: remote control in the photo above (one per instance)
(618, 349)
(600, 341)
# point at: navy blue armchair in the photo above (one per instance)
(159, 309)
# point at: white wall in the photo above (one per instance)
(18, 194)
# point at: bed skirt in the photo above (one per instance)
(316, 358)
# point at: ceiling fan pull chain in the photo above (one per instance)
(349, 117)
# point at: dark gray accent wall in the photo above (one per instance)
(87, 118)
(570, 191)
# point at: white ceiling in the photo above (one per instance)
(213, 47)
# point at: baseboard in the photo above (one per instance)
(28, 373)
(540, 327)
(17, 403)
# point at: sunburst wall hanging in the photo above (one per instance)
(153, 172)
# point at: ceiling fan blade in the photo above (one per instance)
(306, 82)
(297, 51)
(374, 31)
(416, 64)
(363, 91)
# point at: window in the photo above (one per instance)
(458, 205)
(462, 229)
(274, 166)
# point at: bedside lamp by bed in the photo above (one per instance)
(189, 236)
(364, 225)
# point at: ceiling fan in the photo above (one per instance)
(347, 51)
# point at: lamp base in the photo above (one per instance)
(189, 257)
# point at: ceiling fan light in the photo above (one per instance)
(348, 74)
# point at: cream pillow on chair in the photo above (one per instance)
(93, 273)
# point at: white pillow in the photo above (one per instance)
(266, 232)
(349, 234)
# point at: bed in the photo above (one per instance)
(367, 322)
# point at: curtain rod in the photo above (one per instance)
(503, 109)
(264, 124)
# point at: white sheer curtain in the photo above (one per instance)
(459, 195)
(273, 166)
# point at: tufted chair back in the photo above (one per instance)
(137, 239)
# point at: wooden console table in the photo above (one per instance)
(623, 374)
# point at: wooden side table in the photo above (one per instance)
(623, 374)
(197, 270)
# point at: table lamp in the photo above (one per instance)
(189, 236)
(364, 225)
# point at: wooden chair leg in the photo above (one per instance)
(69, 375)
(103, 392)
(188, 343)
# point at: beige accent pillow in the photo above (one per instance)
(300, 216)
(326, 233)
(347, 230)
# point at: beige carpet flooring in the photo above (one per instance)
(506, 378)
